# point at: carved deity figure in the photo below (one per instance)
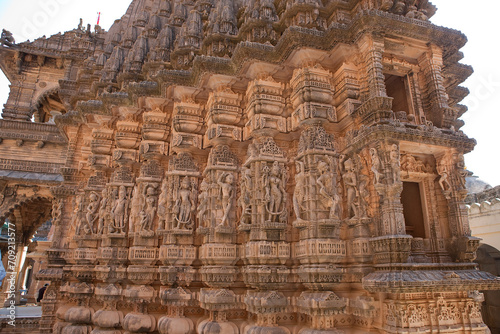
(119, 211)
(79, 214)
(444, 182)
(92, 213)
(363, 196)
(136, 203)
(7, 38)
(246, 195)
(326, 182)
(56, 210)
(275, 192)
(102, 211)
(203, 203)
(351, 183)
(299, 191)
(184, 205)
(148, 211)
(162, 205)
(461, 170)
(395, 162)
(376, 165)
(227, 192)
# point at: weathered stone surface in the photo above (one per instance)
(245, 167)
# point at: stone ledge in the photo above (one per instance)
(405, 281)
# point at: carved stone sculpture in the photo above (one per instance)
(227, 193)
(203, 204)
(327, 186)
(92, 213)
(120, 212)
(299, 191)
(103, 212)
(148, 212)
(376, 165)
(184, 206)
(7, 38)
(275, 194)
(351, 186)
(162, 205)
(395, 162)
(79, 214)
(244, 201)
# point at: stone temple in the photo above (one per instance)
(243, 167)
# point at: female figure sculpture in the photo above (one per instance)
(376, 165)
(245, 197)
(162, 205)
(226, 184)
(299, 191)
(149, 210)
(203, 203)
(395, 163)
(326, 182)
(184, 205)
(350, 183)
(91, 215)
(79, 214)
(102, 211)
(274, 192)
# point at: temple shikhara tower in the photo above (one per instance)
(244, 167)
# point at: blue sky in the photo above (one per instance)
(28, 19)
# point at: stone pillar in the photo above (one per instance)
(39, 257)
(54, 306)
(143, 252)
(176, 299)
(108, 320)
(436, 98)
(393, 245)
(265, 108)
(10, 286)
(372, 49)
(223, 116)
(376, 107)
(78, 317)
(267, 248)
(317, 208)
(139, 321)
(187, 125)
(451, 169)
(218, 252)
(312, 96)
(18, 106)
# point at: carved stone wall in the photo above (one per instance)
(238, 167)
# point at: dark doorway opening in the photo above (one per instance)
(413, 210)
(396, 88)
